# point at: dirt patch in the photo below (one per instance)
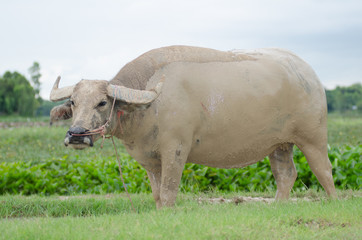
(236, 200)
(309, 196)
(240, 200)
(316, 223)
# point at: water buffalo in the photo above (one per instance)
(220, 109)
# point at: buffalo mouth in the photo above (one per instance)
(78, 141)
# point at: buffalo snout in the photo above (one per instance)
(78, 138)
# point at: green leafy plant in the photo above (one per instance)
(68, 176)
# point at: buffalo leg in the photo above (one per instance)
(154, 175)
(317, 158)
(282, 165)
(174, 157)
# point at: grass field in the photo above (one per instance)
(20, 119)
(44, 143)
(344, 130)
(110, 216)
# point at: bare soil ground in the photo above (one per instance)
(309, 196)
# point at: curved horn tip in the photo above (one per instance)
(58, 94)
(56, 84)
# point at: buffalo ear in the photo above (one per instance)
(130, 107)
(61, 112)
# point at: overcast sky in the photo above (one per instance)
(94, 39)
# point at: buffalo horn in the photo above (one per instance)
(58, 94)
(134, 96)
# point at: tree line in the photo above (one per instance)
(345, 99)
(20, 96)
(17, 95)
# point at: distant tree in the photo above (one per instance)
(344, 99)
(17, 95)
(331, 100)
(45, 107)
(35, 75)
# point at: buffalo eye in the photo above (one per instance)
(101, 104)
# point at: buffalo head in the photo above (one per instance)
(89, 105)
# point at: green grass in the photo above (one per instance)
(110, 217)
(17, 118)
(344, 130)
(40, 144)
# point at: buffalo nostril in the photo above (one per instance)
(77, 130)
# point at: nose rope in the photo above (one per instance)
(102, 131)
